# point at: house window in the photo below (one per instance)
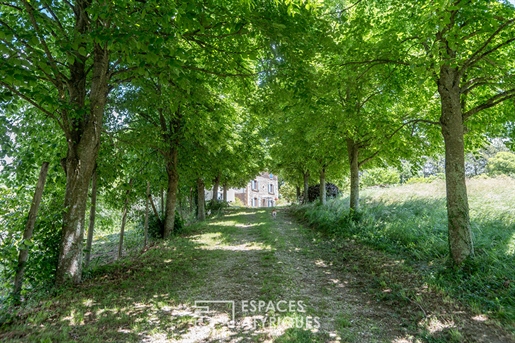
(270, 203)
(271, 176)
(254, 185)
(255, 202)
(271, 188)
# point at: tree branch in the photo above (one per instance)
(11, 5)
(495, 100)
(33, 103)
(56, 19)
(377, 61)
(218, 73)
(53, 65)
(473, 83)
(477, 56)
(362, 162)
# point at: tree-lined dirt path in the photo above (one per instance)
(280, 281)
(355, 294)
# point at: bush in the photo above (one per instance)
(503, 163)
(421, 179)
(156, 226)
(237, 202)
(331, 192)
(216, 207)
(178, 226)
(43, 247)
(380, 176)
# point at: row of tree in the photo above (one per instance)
(129, 93)
(392, 81)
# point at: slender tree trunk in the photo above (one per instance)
(225, 193)
(323, 196)
(306, 187)
(145, 227)
(162, 202)
(216, 187)
(171, 194)
(92, 212)
(451, 120)
(201, 211)
(122, 231)
(297, 192)
(83, 140)
(154, 209)
(29, 229)
(124, 219)
(182, 204)
(353, 152)
(195, 199)
(190, 200)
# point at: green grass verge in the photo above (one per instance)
(410, 222)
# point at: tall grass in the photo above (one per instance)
(410, 221)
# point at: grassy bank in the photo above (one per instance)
(410, 222)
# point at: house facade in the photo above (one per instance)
(262, 191)
(230, 194)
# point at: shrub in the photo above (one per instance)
(156, 226)
(237, 202)
(503, 163)
(421, 179)
(178, 226)
(380, 176)
(331, 191)
(216, 207)
(43, 247)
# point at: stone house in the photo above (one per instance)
(263, 191)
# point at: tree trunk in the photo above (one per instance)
(154, 209)
(195, 199)
(201, 210)
(306, 187)
(451, 120)
(323, 191)
(83, 143)
(225, 193)
(216, 187)
(92, 212)
(297, 190)
(162, 202)
(29, 229)
(353, 152)
(145, 227)
(122, 231)
(190, 200)
(171, 194)
(124, 219)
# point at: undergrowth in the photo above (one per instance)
(410, 222)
